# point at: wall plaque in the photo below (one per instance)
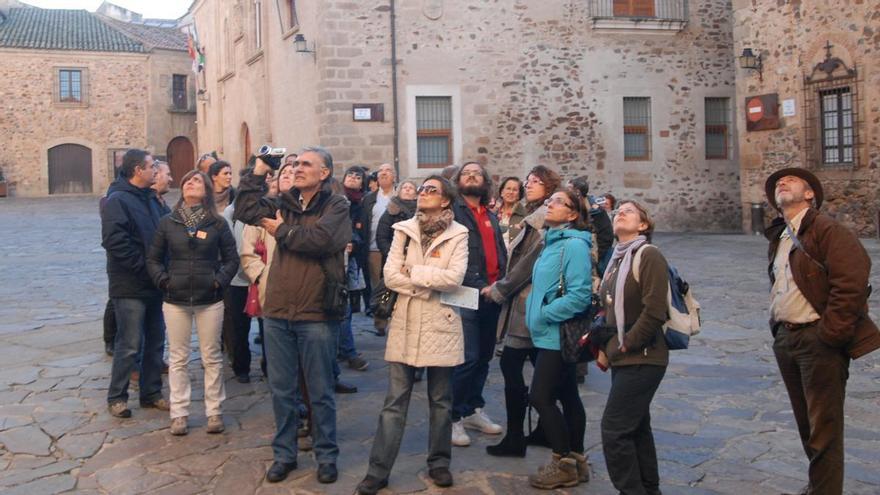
(368, 112)
(762, 112)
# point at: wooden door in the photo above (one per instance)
(181, 158)
(70, 169)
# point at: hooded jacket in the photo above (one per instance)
(424, 332)
(310, 246)
(198, 268)
(834, 282)
(129, 219)
(545, 310)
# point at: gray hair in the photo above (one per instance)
(325, 155)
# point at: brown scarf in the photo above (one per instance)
(221, 199)
(433, 225)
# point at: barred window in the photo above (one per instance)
(434, 131)
(633, 8)
(636, 128)
(178, 91)
(837, 126)
(70, 86)
(717, 128)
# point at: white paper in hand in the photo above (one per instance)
(462, 297)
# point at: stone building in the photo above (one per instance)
(77, 89)
(639, 94)
(818, 100)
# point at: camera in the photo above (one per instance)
(271, 156)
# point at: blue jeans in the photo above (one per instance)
(314, 344)
(345, 348)
(392, 419)
(139, 322)
(469, 378)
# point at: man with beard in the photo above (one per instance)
(818, 316)
(487, 259)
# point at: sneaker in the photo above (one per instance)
(560, 473)
(215, 424)
(358, 363)
(460, 437)
(178, 426)
(583, 467)
(119, 410)
(479, 420)
(161, 404)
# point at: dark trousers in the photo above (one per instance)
(236, 327)
(392, 419)
(141, 330)
(469, 378)
(627, 439)
(109, 322)
(555, 380)
(516, 393)
(815, 376)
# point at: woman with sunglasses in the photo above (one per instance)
(511, 292)
(633, 293)
(561, 288)
(428, 256)
(192, 261)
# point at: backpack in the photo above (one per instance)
(682, 308)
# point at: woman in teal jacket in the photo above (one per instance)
(566, 250)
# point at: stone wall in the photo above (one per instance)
(791, 36)
(31, 123)
(165, 123)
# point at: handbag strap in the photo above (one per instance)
(560, 289)
(798, 245)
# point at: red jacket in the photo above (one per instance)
(834, 281)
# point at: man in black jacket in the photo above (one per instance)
(128, 222)
(487, 259)
(374, 206)
(311, 228)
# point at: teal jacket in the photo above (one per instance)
(544, 309)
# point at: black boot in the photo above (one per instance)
(537, 436)
(514, 442)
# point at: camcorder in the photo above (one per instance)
(271, 156)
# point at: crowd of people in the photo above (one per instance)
(472, 271)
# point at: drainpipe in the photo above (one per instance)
(394, 89)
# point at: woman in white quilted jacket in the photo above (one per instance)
(428, 256)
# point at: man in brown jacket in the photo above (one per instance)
(311, 228)
(818, 315)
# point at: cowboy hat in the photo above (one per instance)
(801, 173)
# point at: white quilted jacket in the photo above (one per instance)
(424, 332)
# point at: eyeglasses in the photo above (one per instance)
(557, 201)
(626, 211)
(534, 182)
(429, 190)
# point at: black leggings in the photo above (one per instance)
(512, 363)
(555, 379)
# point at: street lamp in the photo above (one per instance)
(748, 60)
(301, 45)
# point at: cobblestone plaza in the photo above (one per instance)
(721, 417)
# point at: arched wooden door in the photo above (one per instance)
(70, 169)
(181, 158)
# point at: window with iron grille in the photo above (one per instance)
(434, 131)
(70, 86)
(636, 128)
(717, 128)
(178, 91)
(836, 107)
(633, 8)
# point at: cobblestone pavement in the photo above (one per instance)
(721, 417)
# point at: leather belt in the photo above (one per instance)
(796, 326)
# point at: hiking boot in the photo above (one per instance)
(119, 410)
(358, 363)
(560, 473)
(512, 445)
(215, 424)
(161, 404)
(583, 467)
(460, 437)
(481, 421)
(178, 426)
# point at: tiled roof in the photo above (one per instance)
(57, 29)
(151, 36)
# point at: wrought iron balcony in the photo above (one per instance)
(655, 15)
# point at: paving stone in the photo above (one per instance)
(57, 424)
(51, 485)
(82, 446)
(26, 440)
(21, 476)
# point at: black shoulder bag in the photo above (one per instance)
(572, 331)
(383, 299)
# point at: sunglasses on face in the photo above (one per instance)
(429, 190)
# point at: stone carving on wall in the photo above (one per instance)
(433, 9)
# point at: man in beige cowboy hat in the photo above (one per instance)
(818, 316)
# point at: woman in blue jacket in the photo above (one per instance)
(566, 251)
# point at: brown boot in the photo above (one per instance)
(582, 466)
(560, 473)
